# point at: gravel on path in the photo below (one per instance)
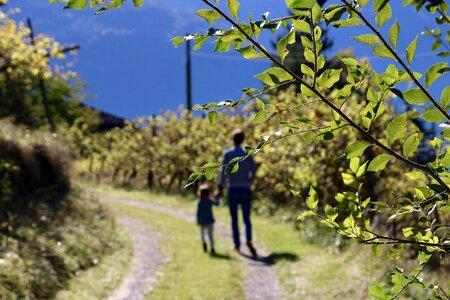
(261, 282)
(143, 270)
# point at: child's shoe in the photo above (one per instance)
(213, 252)
(205, 247)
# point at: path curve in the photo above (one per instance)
(143, 271)
(261, 281)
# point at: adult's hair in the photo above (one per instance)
(238, 136)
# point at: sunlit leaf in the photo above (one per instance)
(396, 129)
(233, 8)
(249, 52)
(379, 163)
(434, 72)
(394, 33)
(367, 38)
(356, 149)
(212, 116)
(411, 144)
(411, 50)
(274, 76)
(209, 15)
(384, 14)
(313, 199)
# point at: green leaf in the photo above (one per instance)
(436, 71)
(301, 26)
(415, 96)
(305, 214)
(354, 164)
(378, 292)
(384, 14)
(200, 40)
(299, 6)
(306, 70)
(347, 23)
(411, 50)
(233, 8)
(363, 3)
(394, 32)
(382, 51)
(138, 3)
(249, 52)
(288, 39)
(349, 180)
(379, 163)
(433, 115)
(222, 46)
(77, 4)
(367, 38)
(362, 170)
(212, 117)
(445, 96)
(396, 129)
(260, 103)
(177, 41)
(274, 76)
(209, 15)
(411, 144)
(334, 14)
(193, 178)
(423, 257)
(376, 250)
(356, 149)
(212, 165)
(328, 78)
(260, 116)
(232, 166)
(313, 199)
(330, 212)
(210, 174)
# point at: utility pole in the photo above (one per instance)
(41, 80)
(42, 86)
(188, 76)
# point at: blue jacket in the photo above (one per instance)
(244, 175)
(204, 211)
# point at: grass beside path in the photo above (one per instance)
(305, 270)
(189, 273)
(98, 282)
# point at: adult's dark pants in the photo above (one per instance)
(240, 196)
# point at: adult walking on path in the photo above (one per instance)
(239, 189)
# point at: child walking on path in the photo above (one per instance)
(205, 217)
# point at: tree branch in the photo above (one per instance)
(313, 38)
(398, 59)
(411, 281)
(364, 133)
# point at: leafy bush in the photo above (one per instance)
(48, 232)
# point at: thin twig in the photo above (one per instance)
(394, 240)
(351, 94)
(364, 133)
(443, 15)
(259, 94)
(398, 59)
(313, 38)
(411, 281)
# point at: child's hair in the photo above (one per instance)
(203, 190)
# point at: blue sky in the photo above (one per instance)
(132, 68)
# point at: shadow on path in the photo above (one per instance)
(221, 256)
(273, 258)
